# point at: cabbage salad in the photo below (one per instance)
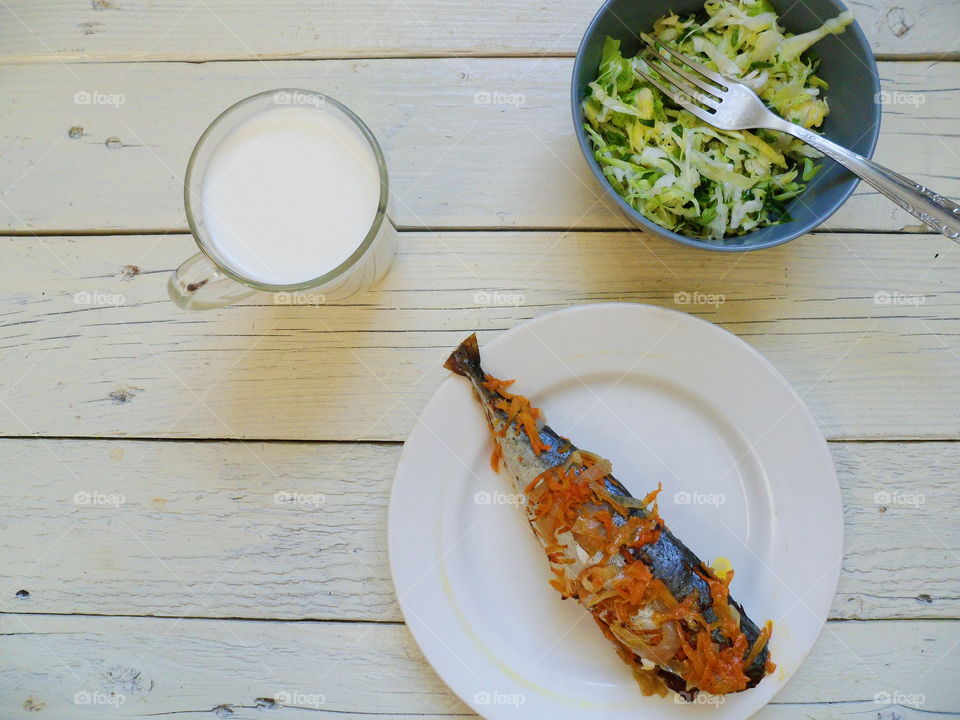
(679, 171)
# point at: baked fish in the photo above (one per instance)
(669, 615)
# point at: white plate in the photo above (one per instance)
(667, 398)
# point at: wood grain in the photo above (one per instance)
(94, 348)
(240, 29)
(471, 143)
(234, 669)
(299, 530)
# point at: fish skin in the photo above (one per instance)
(668, 558)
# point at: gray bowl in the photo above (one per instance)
(847, 64)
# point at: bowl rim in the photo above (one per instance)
(639, 219)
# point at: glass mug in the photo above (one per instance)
(209, 279)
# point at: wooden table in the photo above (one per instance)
(147, 569)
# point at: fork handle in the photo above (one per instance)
(940, 213)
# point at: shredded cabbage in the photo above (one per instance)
(679, 171)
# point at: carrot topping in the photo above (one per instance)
(518, 410)
(651, 496)
(498, 386)
(593, 579)
(606, 519)
(633, 585)
(532, 484)
(760, 643)
(685, 611)
(496, 456)
(720, 597)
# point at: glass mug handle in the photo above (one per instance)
(198, 284)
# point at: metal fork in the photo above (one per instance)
(731, 105)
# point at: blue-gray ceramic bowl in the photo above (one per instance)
(847, 64)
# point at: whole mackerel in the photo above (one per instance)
(664, 555)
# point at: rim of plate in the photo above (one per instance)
(420, 630)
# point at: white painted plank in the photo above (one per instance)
(242, 29)
(901, 538)
(298, 531)
(233, 668)
(454, 163)
(197, 530)
(362, 370)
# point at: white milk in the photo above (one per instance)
(290, 194)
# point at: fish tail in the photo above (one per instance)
(465, 360)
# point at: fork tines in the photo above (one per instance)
(679, 83)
